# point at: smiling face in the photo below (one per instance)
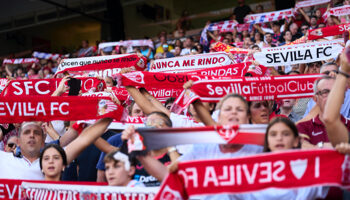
(116, 174)
(259, 111)
(280, 137)
(52, 164)
(233, 112)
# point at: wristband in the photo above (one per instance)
(344, 74)
(172, 149)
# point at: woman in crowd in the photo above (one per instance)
(53, 159)
(282, 135)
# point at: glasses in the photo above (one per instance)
(304, 29)
(328, 72)
(11, 145)
(323, 93)
(258, 105)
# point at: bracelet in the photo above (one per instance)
(344, 74)
(172, 149)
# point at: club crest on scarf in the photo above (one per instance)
(169, 194)
(227, 132)
(137, 77)
(106, 106)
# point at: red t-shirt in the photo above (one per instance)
(315, 131)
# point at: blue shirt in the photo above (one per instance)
(344, 110)
(115, 140)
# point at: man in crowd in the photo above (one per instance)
(313, 131)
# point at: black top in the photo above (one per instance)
(241, 12)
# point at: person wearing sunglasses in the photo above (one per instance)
(313, 131)
(11, 144)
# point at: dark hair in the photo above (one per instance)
(285, 121)
(294, 71)
(169, 100)
(60, 151)
(131, 106)
(110, 157)
(166, 118)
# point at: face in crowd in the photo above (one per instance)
(281, 135)
(31, 139)
(233, 110)
(53, 161)
(11, 144)
(323, 88)
(116, 172)
(259, 112)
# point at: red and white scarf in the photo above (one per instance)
(46, 87)
(285, 170)
(67, 190)
(3, 83)
(29, 189)
(193, 62)
(165, 137)
(52, 56)
(299, 53)
(328, 31)
(121, 125)
(257, 88)
(308, 3)
(219, 46)
(268, 16)
(20, 61)
(36, 108)
(339, 11)
(101, 65)
(127, 43)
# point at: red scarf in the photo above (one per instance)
(219, 46)
(46, 87)
(36, 108)
(257, 88)
(20, 61)
(101, 65)
(287, 170)
(29, 189)
(192, 62)
(238, 70)
(159, 80)
(328, 31)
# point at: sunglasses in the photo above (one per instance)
(11, 145)
(258, 105)
(328, 72)
(323, 93)
(304, 29)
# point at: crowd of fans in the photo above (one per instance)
(308, 123)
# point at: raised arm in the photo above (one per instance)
(146, 106)
(202, 113)
(257, 27)
(87, 137)
(306, 17)
(104, 146)
(157, 104)
(336, 130)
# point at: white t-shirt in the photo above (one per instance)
(12, 167)
(58, 125)
(183, 121)
(212, 151)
